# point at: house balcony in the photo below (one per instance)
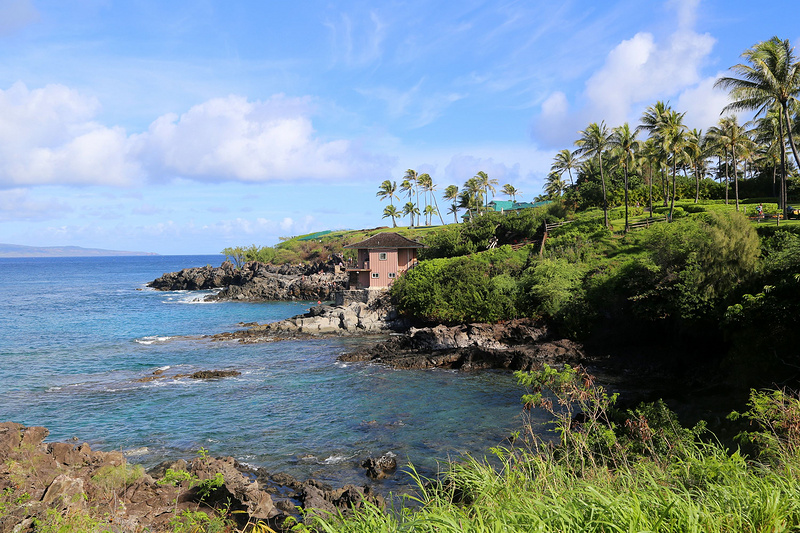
(357, 268)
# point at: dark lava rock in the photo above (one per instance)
(521, 344)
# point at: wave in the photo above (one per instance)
(337, 459)
(190, 297)
(152, 339)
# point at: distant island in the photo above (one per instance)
(18, 250)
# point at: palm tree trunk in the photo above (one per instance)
(696, 183)
(789, 131)
(674, 172)
(626, 198)
(603, 182)
(437, 208)
(651, 189)
(727, 179)
(665, 182)
(735, 177)
(782, 199)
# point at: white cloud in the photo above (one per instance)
(636, 73)
(16, 14)
(703, 103)
(639, 71)
(49, 136)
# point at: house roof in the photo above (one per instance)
(507, 205)
(386, 240)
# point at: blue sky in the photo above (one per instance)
(187, 126)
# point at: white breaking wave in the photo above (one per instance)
(336, 459)
(151, 339)
(191, 297)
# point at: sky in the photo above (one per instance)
(184, 127)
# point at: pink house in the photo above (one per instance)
(381, 259)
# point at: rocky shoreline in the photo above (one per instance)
(514, 345)
(256, 282)
(38, 479)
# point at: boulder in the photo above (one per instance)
(380, 468)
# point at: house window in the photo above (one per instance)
(392, 275)
(375, 275)
(382, 256)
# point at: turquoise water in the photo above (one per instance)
(76, 334)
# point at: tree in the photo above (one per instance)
(411, 209)
(695, 148)
(451, 194)
(652, 120)
(554, 186)
(391, 211)
(454, 210)
(471, 197)
(771, 78)
(407, 187)
(487, 184)
(426, 182)
(236, 255)
(511, 191)
(733, 136)
(672, 133)
(430, 211)
(625, 141)
(592, 143)
(412, 177)
(564, 162)
(387, 189)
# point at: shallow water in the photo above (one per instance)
(77, 333)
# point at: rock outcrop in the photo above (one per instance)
(40, 482)
(257, 281)
(357, 318)
(520, 344)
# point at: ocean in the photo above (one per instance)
(76, 335)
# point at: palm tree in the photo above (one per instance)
(511, 191)
(427, 184)
(471, 197)
(411, 209)
(733, 136)
(429, 212)
(654, 121)
(766, 132)
(391, 211)
(772, 78)
(554, 186)
(412, 177)
(408, 188)
(625, 141)
(672, 133)
(454, 210)
(696, 148)
(651, 154)
(486, 184)
(564, 162)
(451, 194)
(387, 190)
(717, 146)
(592, 143)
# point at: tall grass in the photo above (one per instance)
(675, 482)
